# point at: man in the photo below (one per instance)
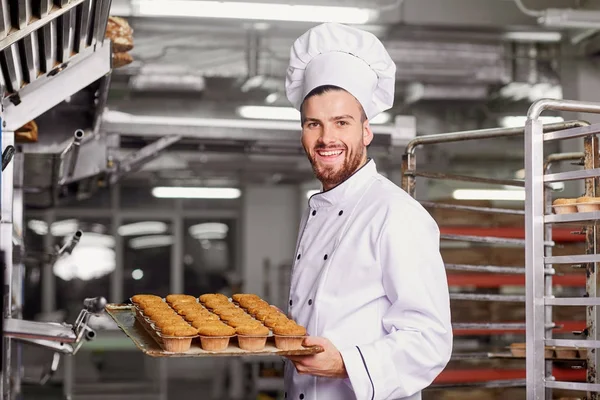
(368, 281)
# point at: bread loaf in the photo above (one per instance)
(120, 33)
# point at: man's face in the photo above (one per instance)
(334, 137)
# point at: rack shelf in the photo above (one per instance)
(496, 281)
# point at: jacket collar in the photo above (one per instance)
(345, 190)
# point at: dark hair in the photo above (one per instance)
(325, 89)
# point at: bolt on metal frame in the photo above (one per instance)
(539, 222)
(409, 174)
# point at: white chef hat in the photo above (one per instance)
(343, 56)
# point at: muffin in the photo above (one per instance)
(588, 204)
(177, 338)
(215, 337)
(213, 303)
(252, 337)
(289, 336)
(276, 319)
(145, 297)
(239, 296)
(240, 321)
(200, 323)
(179, 298)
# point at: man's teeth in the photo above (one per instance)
(330, 153)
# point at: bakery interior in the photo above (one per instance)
(148, 147)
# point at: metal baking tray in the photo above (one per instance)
(124, 317)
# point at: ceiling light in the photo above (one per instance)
(489, 194)
(39, 227)
(92, 239)
(290, 114)
(142, 228)
(148, 242)
(137, 274)
(253, 11)
(520, 121)
(168, 192)
(533, 36)
(209, 230)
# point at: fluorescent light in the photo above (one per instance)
(290, 114)
(519, 121)
(137, 274)
(148, 242)
(489, 194)
(209, 230)
(253, 11)
(172, 192)
(142, 228)
(92, 239)
(64, 228)
(39, 227)
(534, 36)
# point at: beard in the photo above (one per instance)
(332, 176)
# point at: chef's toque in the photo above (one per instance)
(343, 56)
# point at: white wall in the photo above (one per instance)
(269, 228)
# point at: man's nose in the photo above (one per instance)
(328, 134)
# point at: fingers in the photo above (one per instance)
(315, 341)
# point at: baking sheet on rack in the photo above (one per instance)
(124, 316)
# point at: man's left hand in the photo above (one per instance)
(328, 364)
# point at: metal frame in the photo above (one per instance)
(409, 174)
(539, 222)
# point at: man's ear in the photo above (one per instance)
(367, 133)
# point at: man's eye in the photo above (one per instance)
(342, 123)
(312, 124)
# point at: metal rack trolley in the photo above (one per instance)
(49, 50)
(409, 175)
(539, 264)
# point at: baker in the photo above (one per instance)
(368, 281)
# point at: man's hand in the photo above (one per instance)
(328, 364)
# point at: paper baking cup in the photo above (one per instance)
(252, 343)
(215, 343)
(175, 344)
(284, 342)
(588, 207)
(565, 209)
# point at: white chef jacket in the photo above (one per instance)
(368, 276)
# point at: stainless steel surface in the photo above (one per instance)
(582, 344)
(72, 150)
(490, 326)
(574, 217)
(16, 328)
(578, 259)
(572, 175)
(540, 106)
(573, 301)
(486, 268)
(464, 178)
(573, 386)
(534, 256)
(483, 239)
(43, 94)
(6, 245)
(485, 210)
(137, 159)
(484, 385)
(19, 34)
(488, 297)
(573, 133)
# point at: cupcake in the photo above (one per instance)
(214, 337)
(145, 297)
(252, 337)
(289, 336)
(276, 319)
(177, 338)
(240, 296)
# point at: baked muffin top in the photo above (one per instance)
(178, 331)
(562, 202)
(252, 330)
(179, 297)
(289, 329)
(215, 330)
(587, 199)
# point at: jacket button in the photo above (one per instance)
(310, 302)
(314, 212)
(291, 302)
(341, 212)
(301, 396)
(285, 395)
(325, 258)
(297, 258)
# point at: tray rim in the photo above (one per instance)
(112, 307)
